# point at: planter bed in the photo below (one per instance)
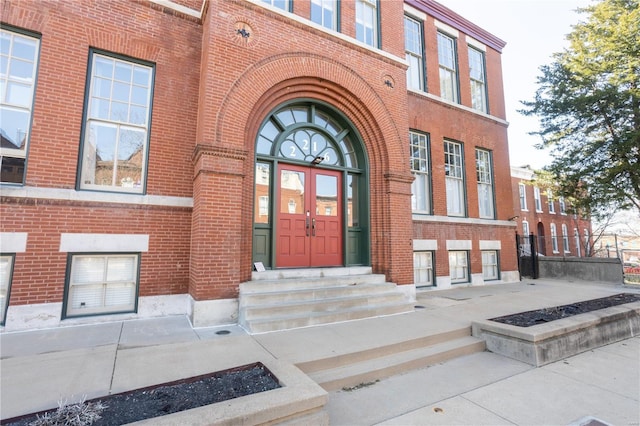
(551, 340)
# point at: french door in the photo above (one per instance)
(309, 217)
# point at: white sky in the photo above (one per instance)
(533, 30)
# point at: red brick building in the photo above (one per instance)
(557, 231)
(153, 151)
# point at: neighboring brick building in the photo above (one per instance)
(557, 231)
(145, 142)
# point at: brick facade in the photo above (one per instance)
(213, 89)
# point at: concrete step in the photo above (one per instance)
(316, 318)
(321, 305)
(278, 274)
(315, 293)
(383, 350)
(370, 370)
(297, 283)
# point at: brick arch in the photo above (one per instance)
(280, 78)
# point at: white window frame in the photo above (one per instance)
(459, 267)
(478, 79)
(103, 99)
(525, 228)
(490, 265)
(522, 190)
(280, 4)
(554, 238)
(576, 238)
(448, 64)
(17, 94)
(423, 274)
(537, 198)
(325, 7)
(563, 206)
(526, 244)
(421, 170)
(7, 261)
(455, 178)
(552, 207)
(587, 246)
(565, 238)
(414, 51)
(484, 173)
(367, 22)
(103, 285)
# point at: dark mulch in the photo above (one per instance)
(541, 316)
(178, 396)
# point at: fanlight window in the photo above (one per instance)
(304, 133)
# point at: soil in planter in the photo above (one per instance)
(177, 396)
(541, 316)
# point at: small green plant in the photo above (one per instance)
(81, 413)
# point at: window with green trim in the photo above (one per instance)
(117, 115)
(102, 284)
(18, 69)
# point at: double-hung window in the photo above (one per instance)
(552, 208)
(523, 196)
(485, 184)
(280, 4)
(18, 70)
(554, 238)
(447, 60)
(117, 124)
(325, 13)
(565, 239)
(563, 205)
(477, 77)
(459, 267)
(101, 284)
(414, 53)
(420, 167)
(537, 199)
(454, 173)
(367, 22)
(490, 267)
(423, 268)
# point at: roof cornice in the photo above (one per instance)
(449, 17)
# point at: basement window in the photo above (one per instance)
(99, 284)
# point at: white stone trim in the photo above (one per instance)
(179, 8)
(477, 279)
(522, 173)
(463, 220)
(446, 28)
(459, 106)
(409, 291)
(418, 14)
(208, 313)
(95, 196)
(490, 245)
(307, 22)
(422, 245)
(454, 245)
(13, 242)
(476, 44)
(443, 282)
(104, 243)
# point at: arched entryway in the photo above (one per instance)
(311, 201)
(542, 244)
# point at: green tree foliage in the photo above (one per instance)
(588, 103)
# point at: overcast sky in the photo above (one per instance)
(533, 30)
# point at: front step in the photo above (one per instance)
(359, 368)
(285, 299)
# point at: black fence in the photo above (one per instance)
(528, 256)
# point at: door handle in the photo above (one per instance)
(313, 227)
(307, 223)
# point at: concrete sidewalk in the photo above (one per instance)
(39, 368)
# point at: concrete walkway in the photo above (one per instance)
(40, 368)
